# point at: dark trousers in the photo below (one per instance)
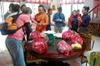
(48, 27)
(74, 27)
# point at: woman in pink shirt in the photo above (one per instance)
(14, 41)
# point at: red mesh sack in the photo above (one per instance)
(39, 46)
(77, 39)
(63, 48)
(67, 35)
(35, 35)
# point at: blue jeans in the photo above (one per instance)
(16, 51)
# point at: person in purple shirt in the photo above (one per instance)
(85, 19)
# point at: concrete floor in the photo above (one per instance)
(5, 59)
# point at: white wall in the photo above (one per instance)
(89, 3)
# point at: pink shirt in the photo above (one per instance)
(22, 19)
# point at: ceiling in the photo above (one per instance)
(47, 1)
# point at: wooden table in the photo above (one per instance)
(53, 55)
(54, 58)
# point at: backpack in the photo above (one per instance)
(39, 46)
(9, 26)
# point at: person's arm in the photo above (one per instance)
(55, 18)
(70, 21)
(28, 29)
(46, 20)
(34, 21)
(63, 18)
(35, 18)
(27, 25)
(6, 15)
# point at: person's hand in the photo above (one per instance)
(63, 20)
(43, 24)
(40, 23)
(64, 23)
(58, 20)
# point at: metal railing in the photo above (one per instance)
(97, 11)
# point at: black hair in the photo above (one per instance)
(78, 10)
(27, 10)
(16, 8)
(49, 9)
(86, 8)
(11, 5)
(74, 10)
(23, 6)
(59, 8)
(42, 7)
